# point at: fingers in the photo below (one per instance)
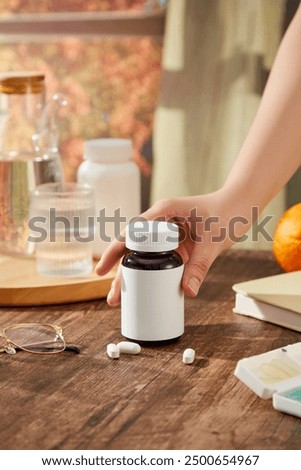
(116, 249)
(197, 268)
(165, 209)
(114, 296)
(194, 275)
(160, 209)
(111, 255)
(182, 250)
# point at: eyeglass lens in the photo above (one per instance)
(36, 338)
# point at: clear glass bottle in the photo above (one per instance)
(23, 162)
(22, 99)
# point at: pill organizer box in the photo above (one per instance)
(275, 374)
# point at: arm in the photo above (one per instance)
(269, 156)
(271, 152)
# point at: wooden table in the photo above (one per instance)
(150, 401)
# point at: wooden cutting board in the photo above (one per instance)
(21, 285)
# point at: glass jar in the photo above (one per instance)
(23, 164)
(22, 98)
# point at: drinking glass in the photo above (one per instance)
(62, 228)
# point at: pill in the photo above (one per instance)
(188, 356)
(113, 351)
(128, 347)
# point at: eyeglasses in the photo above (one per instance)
(38, 338)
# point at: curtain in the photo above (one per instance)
(216, 58)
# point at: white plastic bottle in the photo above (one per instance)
(109, 169)
(152, 300)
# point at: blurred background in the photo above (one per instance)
(181, 78)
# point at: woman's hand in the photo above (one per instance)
(203, 236)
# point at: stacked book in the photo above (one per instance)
(275, 299)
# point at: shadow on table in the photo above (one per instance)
(233, 341)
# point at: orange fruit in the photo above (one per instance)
(287, 239)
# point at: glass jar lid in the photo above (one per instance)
(20, 83)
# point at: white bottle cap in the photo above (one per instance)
(108, 150)
(152, 236)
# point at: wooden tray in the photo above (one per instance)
(21, 285)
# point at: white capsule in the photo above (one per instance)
(188, 356)
(127, 347)
(113, 351)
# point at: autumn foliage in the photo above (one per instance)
(111, 84)
(42, 6)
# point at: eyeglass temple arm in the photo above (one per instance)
(68, 348)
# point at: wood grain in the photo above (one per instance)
(150, 401)
(22, 285)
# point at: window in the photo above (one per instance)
(103, 62)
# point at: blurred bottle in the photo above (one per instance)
(28, 152)
(115, 178)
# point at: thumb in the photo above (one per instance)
(196, 270)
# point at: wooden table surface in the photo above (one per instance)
(150, 401)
